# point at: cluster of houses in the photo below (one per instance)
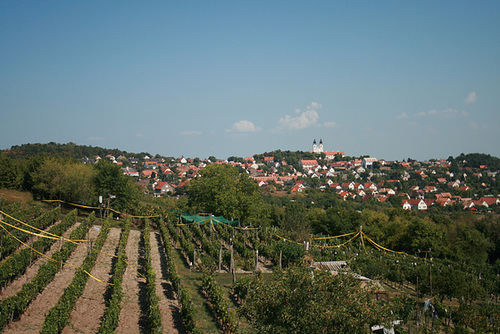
(351, 179)
(416, 198)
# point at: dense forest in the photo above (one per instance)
(70, 150)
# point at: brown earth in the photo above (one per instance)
(16, 285)
(86, 316)
(132, 319)
(32, 320)
(169, 306)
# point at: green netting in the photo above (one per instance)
(206, 219)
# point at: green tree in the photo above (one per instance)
(223, 191)
(301, 301)
(64, 179)
(295, 221)
(112, 184)
(11, 173)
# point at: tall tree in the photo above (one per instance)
(64, 179)
(112, 184)
(222, 190)
(301, 301)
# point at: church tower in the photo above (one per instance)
(318, 148)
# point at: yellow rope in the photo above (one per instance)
(337, 236)
(97, 208)
(52, 259)
(381, 247)
(53, 236)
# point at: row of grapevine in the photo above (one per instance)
(185, 240)
(23, 214)
(11, 308)
(114, 291)
(220, 307)
(16, 264)
(57, 317)
(9, 244)
(244, 246)
(188, 313)
(211, 247)
(153, 311)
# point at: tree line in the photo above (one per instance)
(67, 179)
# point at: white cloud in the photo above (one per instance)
(471, 98)
(443, 113)
(190, 133)
(304, 119)
(329, 124)
(139, 135)
(95, 138)
(243, 126)
(402, 116)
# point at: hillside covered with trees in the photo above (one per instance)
(448, 254)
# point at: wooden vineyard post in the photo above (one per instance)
(220, 259)
(256, 260)
(231, 265)
(211, 228)
(281, 257)
(194, 258)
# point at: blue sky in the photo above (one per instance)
(390, 79)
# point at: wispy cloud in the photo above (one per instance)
(190, 133)
(243, 126)
(443, 113)
(139, 135)
(303, 119)
(328, 124)
(403, 115)
(471, 98)
(95, 138)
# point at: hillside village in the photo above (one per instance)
(413, 185)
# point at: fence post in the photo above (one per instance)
(220, 258)
(281, 257)
(256, 260)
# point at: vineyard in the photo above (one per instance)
(71, 271)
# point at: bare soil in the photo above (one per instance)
(16, 285)
(86, 317)
(169, 306)
(32, 320)
(133, 308)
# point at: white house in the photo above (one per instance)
(368, 162)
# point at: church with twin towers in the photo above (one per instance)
(318, 149)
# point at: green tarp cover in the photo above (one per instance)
(206, 219)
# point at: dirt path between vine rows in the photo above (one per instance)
(133, 313)
(15, 286)
(86, 316)
(169, 306)
(32, 320)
